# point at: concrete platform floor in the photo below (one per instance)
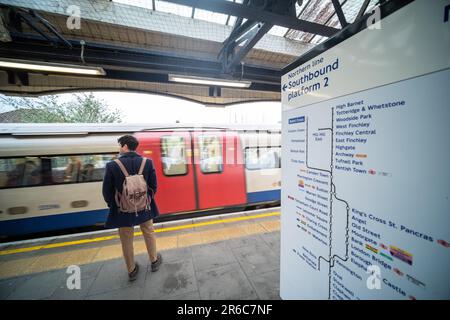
(221, 257)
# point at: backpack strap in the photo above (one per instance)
(122, 168)
(141, 168)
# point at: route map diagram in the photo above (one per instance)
(348, 193)
(331, 256)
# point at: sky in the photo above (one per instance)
(148, 108)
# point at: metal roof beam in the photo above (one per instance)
(250, 13)
(363, 9)
(33, 19)
(247, 34)
(239, 20)
(298, 16)
(237, 31)
(327, 21)
(340, 13)
(251, 39)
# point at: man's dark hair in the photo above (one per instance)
(130, 141)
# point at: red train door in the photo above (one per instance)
(171, 152)
(219, 169)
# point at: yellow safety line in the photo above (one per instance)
(188, 226)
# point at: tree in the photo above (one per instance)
(84, 108)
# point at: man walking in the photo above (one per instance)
(129, 187)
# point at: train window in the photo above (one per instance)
(210, 154)
(257, 158)
(251, 158)
(33, 171)
(66, 169)
(80, 168)
(20, 172)
(173, 155)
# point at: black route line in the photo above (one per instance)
(331, 258)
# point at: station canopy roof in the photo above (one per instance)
(141, 43)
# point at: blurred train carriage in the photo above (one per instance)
(51, 175)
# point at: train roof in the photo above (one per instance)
(88, 128)
(58, 139)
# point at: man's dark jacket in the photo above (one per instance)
(114, 180)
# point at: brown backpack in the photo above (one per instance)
(134, 196)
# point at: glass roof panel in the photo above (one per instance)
(210, 16)
(278, 31)
(318, 11)
(137, 3)
(315, 11)
(298, 8)
(350, 9)
(372, 4)
(173, 8)
(232, 21)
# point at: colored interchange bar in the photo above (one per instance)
(395, 252)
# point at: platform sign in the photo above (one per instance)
(366, 163)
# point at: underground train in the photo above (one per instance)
(51, 175)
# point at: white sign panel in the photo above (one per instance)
(366, 153)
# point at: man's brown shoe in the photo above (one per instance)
(133, 274)
(157, 263)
